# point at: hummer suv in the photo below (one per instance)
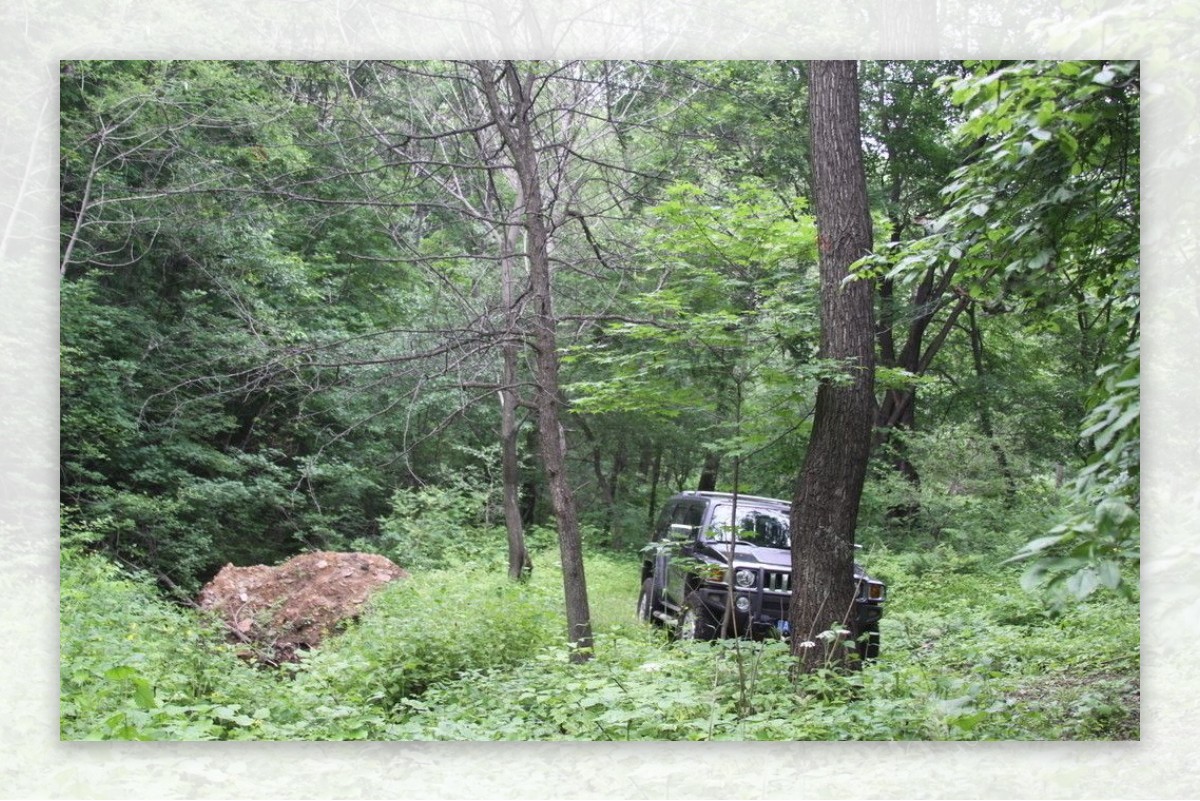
(687, 570)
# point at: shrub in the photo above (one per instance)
(426, 629)
(134, 667)
(435, 526)
(465, 654)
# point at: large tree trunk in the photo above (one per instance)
(514, 121)
(825, 504)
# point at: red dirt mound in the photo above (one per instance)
(278, 611)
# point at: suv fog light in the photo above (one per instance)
(744, 578)
(742, 603)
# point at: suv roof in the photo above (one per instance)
(729, 496)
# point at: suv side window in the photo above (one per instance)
(690, 515)
(663, 522)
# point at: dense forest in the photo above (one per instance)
(484, 318)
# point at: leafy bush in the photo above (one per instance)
(967, 656)
(438, 525)
(137, 668)
(426, 629)
(979, 520)
(465, 654)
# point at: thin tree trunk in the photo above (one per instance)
(520, 565)
(826, 500)
(985, 411)
(531, 488)
(515, 125)
(620, 462)
(655, 476)
(607, 484)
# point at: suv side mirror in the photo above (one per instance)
(681, 531)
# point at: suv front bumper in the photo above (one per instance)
(767, 612)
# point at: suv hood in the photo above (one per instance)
(750, 555)
(754, 556)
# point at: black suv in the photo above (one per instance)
(685, 572)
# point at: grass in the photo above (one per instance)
(967, 655)
(462, 654)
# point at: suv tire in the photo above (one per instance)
(649, 603)
(695, 621)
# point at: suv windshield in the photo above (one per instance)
(766, 528)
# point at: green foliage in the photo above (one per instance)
(965, 659)
(719, 351)
(196, 424)
(908, 150)
(1074, 127)
(434, 526)
(736, 262)
(136, 668)
(464, 654)
(1113, 425)
(1052, 187)
(1099, 545)
(746, 118)
(1041, 219)
(239, 311)
(430, 628)
(248, 284)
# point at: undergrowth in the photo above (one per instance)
(464, 654)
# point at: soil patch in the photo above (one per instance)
(280, 611)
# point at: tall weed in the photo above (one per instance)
(430, 628)
(134, 667)
(463, 653)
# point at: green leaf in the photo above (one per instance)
(121, 673)
(1109, 573)
(1035, 547)
(1083, 583)
(143, 694)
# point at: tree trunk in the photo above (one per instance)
(898, 411)
(985, 411)
(825, 503)
(608, 485)
(531, 493)
(708, 472)
(520, 565)
(515, 124)
(616, 538)
(655, 475)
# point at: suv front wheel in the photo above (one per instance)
(695, 621)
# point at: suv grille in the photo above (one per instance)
(777, 581)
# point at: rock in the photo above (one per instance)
(279, 611)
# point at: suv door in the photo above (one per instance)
(684, 528)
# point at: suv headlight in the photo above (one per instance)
(744, 578)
